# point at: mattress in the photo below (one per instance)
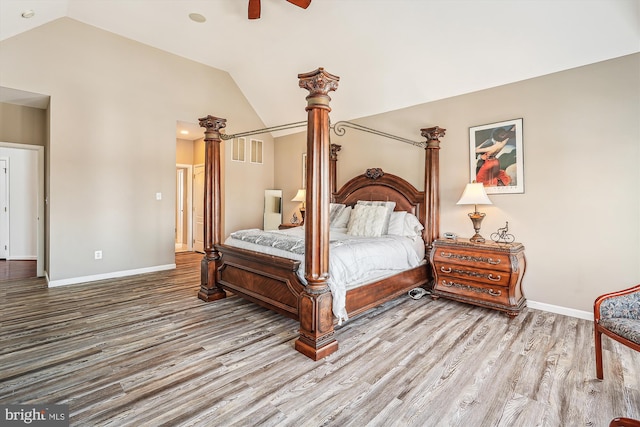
(353, 260)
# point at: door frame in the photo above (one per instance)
(188, 208)
(6, 203)
(41, 200)
(201, 196)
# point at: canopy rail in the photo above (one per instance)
(339, 128)
(264, 130)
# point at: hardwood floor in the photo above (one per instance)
(144, 351)
(10, 270)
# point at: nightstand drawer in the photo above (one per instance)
(467, 272)
(476, 258)
(474, 291)
(470, 291)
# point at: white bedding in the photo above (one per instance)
(353, 260)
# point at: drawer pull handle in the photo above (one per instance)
(445, 270)
(451, 284)
(495, 279)
(470, 258)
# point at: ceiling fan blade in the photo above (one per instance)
(254, 9)
(300, 3)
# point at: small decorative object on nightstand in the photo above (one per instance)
(502, 235)
(484, 274)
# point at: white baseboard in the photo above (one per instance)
(113, 275)
(22, 258)
(560, 310)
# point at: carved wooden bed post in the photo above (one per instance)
(209, 290)
(315, 302)
(333, 168)
(432, 185)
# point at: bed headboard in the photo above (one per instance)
(377, 185)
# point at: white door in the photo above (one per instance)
(198, 208)
(4, 208)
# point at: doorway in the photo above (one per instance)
(184, 217)
(4, 207)
(26, 236)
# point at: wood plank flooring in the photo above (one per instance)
(144, 351)
(18, 269)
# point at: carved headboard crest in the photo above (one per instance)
(374, 173)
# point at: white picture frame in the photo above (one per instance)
(496, 156)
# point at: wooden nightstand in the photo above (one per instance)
(485, 274)
(288, 225)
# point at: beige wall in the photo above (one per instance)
(184, 152)
(23, 125)
(114, 106)
(579, 217)
(112, 122)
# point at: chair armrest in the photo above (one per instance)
(624, 422)
(624, 303)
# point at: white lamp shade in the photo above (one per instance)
(474, 194)
(301, 196)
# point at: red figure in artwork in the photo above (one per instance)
(489, 172)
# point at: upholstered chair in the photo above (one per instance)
(617, 315)
(624, 422)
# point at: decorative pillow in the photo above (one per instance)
(335, 209)
(342, 221)
(367, 220)
(412, 226)
(390, 206)
(396, 223)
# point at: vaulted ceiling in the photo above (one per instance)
(389, 54)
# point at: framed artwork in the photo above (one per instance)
(304, 170)
(496, 156)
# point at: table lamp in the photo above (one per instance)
(474, 194)
(301, 196)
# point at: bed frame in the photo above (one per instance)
(272, 281)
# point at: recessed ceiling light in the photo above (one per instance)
(184, 132)
(28, 14)
(196, 17)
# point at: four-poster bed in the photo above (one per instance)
(272, 281)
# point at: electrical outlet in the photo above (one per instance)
(98, 255)
(158, 196)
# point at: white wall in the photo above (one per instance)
(112, 145)
(23, 211)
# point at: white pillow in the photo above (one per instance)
(335, 209)
(342, 221)
(396, 223)
(390, 206)
(412, 226)
(367, 220)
